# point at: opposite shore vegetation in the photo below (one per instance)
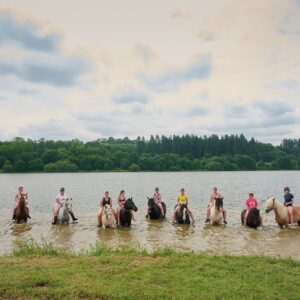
(44, 272)
(159, 153)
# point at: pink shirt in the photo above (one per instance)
(251, 202)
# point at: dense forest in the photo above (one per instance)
(159, 153)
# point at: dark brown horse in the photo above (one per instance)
(21, 211)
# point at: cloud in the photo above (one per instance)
(205, 36)
(130, 95)
(171, 79)
(26, 34)
(235, 111)
(273, 109)
(63, 72)
(197, 111)
(36, 58)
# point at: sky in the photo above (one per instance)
(94, 69)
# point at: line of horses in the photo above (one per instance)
(181, 215)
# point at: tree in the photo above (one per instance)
(61, 166)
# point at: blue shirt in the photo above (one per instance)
(288, 197)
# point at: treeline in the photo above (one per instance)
(160, 153)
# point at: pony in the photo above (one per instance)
(216, 212)
(21, 211)
(281, 212)
(154, 210)
(63, 214)
(125, 212)
(182, 215)
(253, 218)
(108, 218)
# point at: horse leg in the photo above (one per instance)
(72, 215)
(55, 220)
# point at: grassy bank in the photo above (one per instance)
(41, 271)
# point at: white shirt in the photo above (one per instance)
(60, 199)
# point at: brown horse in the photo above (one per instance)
(21, 211)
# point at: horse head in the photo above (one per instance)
(107, 209)
(151, 202)
(129, 205)
(270, 204)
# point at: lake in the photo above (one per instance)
(86, 189)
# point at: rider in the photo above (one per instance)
(18, 196)
(251, 202)
(182, 199)
(215, 195)
(288, 202)
(105, 200)
(157, 200)
(121, 202)
(59, 201)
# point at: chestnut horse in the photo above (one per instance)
(21, 211)
(281, 212)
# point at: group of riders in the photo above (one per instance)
(182, 199)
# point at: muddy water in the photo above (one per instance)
(86, 189)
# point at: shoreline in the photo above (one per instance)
(128, 273)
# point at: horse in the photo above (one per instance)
(182, 215)
(63, 214)
(108, 218)
(154, 211)
(21, 211)
(125, 212)
(253, 218)
(281, 212)
(216, 212)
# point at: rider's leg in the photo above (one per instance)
(132, 216)
(147, 214)
(100, 215)
(290, 210)
(72, 215)
(224, 215)
(55, 213)
(176, 207)
(208, 213)
(245, 217)
(27, 211)
(191, 214)
(161, 209)
(118, 216)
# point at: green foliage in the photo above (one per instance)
(174, 153)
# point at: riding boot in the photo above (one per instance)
(55, 221)
(73, 217)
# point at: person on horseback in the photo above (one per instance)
(121, 201)
(59, 202)
(157, 200)
(18, 196)
(182, 199)
(105, 200)
(251, 202)
(215, 195)
(288, 202)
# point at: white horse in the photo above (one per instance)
(63, 214)
(281, 212)
(108, 218)
(215, 215)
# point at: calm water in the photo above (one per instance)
(87, 188)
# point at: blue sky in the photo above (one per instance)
(93, 69)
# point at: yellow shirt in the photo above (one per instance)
(182, 199)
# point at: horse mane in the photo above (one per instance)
(22, 202)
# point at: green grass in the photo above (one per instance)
(39, 271)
